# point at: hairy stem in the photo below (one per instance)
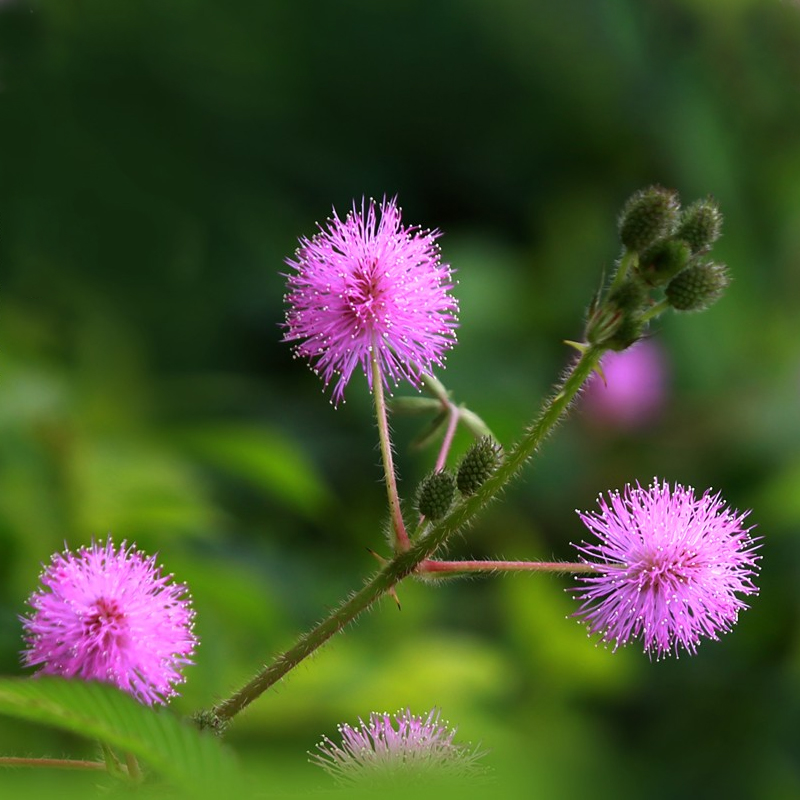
(444, 569)
(423, 547)
(400, 535)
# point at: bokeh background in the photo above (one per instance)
(158, 162)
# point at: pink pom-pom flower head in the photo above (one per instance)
(110, 615)
(367, 285)
(404, 745)
(669, 568)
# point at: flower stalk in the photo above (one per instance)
(435, 568)
(401, 540)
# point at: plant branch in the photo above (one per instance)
(423, 547)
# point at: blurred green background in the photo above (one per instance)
(158, 162)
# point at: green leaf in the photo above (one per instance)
(476, 426)
(267, 458)
(431, 431)
(413, 405)
(183, 755)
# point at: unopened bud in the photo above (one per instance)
(628, 333)
(663, 261)
(479, 462)
(617, 315)
(630, 296)
(700, 225)
(698, 286)
(435, 495)
(648, 215)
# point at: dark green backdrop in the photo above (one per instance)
(158, 161)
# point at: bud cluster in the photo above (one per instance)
(436, 492)
(665, 252)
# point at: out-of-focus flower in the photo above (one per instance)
(366, 286)
(634, 389)
(669, 567)
(400, 745)
(110, 615)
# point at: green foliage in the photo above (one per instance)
(264, 457)
(175, 750)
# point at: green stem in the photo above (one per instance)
(404, 563)
(400, 535)
(628, 259)
(52, 763)
(134, 770)
(655, 311)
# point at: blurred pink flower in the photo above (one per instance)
(110, 615)
(634, 390)
(402, 744)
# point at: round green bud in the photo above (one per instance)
(700, 225)
(630, 296)
(435, 495)
(648, 215)
(698, 286)
(479, 462)
(663, 261)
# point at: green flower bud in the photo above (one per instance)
(663, 261)
(616, 313)
(648, 215)
(629, 332)
(603, 323)
(698, 286)
(630, 296)
(479, 462)
(435, 495)
(700, 225)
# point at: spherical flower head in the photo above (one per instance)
(669, 567)
(397, 745)
(632, 390)
(366, 287)
(110, 615)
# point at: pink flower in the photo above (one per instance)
(403, 744)
(111, 616)
(669, 567)
(363, 286)
(634, 388)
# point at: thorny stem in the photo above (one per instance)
(423, 547)
(400, 535)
